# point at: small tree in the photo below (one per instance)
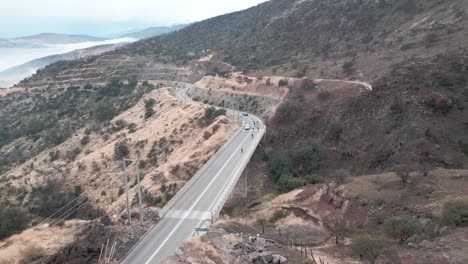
(120, 150)
(402, 228)
(104, 112)
(368, 248)
(84, 140)
(348, 67)
(403, 171)
(149, 111)
(455, 213)
(337, 226)
(283, 82)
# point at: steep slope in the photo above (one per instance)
(311, 37)
(15, 74)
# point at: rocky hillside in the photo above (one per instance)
(299, 38)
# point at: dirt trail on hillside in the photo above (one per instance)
(366, 85)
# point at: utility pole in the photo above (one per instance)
(126, 191)
(139, 192)
(138, 187)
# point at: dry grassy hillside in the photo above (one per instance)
(171, 139)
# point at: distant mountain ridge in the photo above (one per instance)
(15, 74)
(153, 31)
(54, 38)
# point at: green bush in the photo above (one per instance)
(283, 82)
(215, 128)
(287, 183)
(313, 179)
(349, 67)
(289, 111)
(104, 112)
(206, 135)
(50, 197)
(402, 228)
(84, 140)
(278, 215)
(368, 248)
(310, 156)
(72, 154)
(278, 164)
(121, 150)
(211, 113)
(149, 104)
(12, 221)
(455, 213)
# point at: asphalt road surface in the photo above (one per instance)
(194, 208)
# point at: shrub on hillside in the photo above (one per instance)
(283, 82)
(402, 228)
(12, 221)
(337, 226)
(72, 154)
(278, 215)
(149, 104)
(369, 248)
(50, 197)
(104, 112)
(288, 111)
(349, 67)
(84, 140)
(206, 135)
(438, 102)
(403, 171)
(278, 163)
(308, 84)
(455, 213)
(310, 155)
(121, 150)
(287, 182)
(313, 179)
(211, 113)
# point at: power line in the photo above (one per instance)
(68, 213)
(83, 193)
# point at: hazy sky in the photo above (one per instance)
(100, 17)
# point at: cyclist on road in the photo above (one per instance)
(252, 136)
(242, 150)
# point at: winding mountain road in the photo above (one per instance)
(201, 199)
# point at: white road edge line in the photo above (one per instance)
(217, 197)
(194, 204)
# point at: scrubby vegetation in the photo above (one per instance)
(57, 113)
(210, 114)
(12, 220)
(291, 170)
(455, 213)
